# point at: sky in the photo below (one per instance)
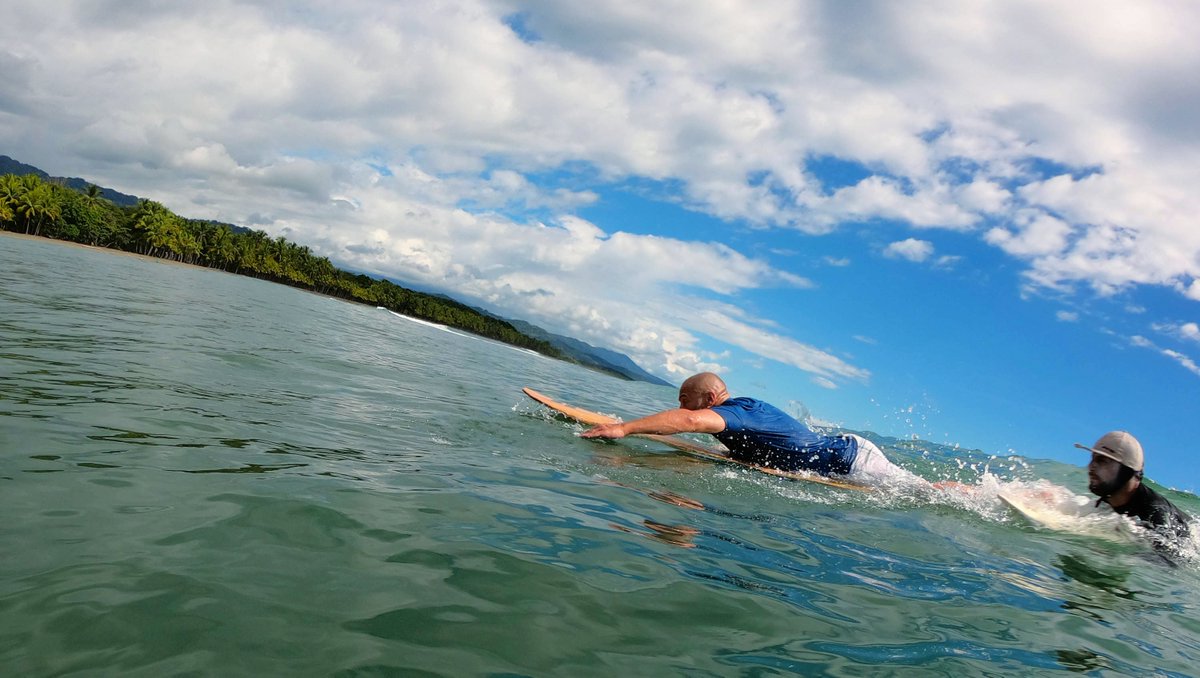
(974, 222)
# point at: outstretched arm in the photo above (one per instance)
(669, 421)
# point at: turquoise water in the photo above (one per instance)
(205, 474)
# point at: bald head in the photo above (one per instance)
(701, 391)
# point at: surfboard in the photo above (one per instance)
(1046, 509)
(1040, 514)
(684, 445)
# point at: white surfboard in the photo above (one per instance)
(1038, 513)
(1056, 508)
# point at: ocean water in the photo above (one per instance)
(205, 474)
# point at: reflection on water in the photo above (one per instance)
(1082, 661)
(249, 468)
(1109, 579)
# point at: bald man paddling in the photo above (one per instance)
(761, 434)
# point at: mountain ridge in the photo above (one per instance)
(12, 166)
(612, 361)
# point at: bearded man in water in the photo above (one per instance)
(1115, 475)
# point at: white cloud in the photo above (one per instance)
(1189, 330)
(1129, 231)
(574, 277)
(910, 249)
(1185, 361)
(1067, 316)
(412, 139)
(882, 198)
(747, 336)
(983, 195)
(824, 383)
(1033, 233)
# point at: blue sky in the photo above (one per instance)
(970, 222)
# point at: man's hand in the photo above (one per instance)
(605, 431)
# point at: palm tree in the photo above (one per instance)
(221, 249)
(10, 188)
(12, 193)
(154, 226)
(186, 243)
(37, 204)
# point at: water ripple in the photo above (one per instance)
(210, 474)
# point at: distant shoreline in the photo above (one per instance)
(172, 262)
(108, 250)
(33, 207)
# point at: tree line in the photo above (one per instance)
(38, 207)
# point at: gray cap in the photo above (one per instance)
(1119, 445)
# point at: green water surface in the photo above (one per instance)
(206, 474)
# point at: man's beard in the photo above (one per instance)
(1101, 488)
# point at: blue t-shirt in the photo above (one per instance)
(762, 434)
